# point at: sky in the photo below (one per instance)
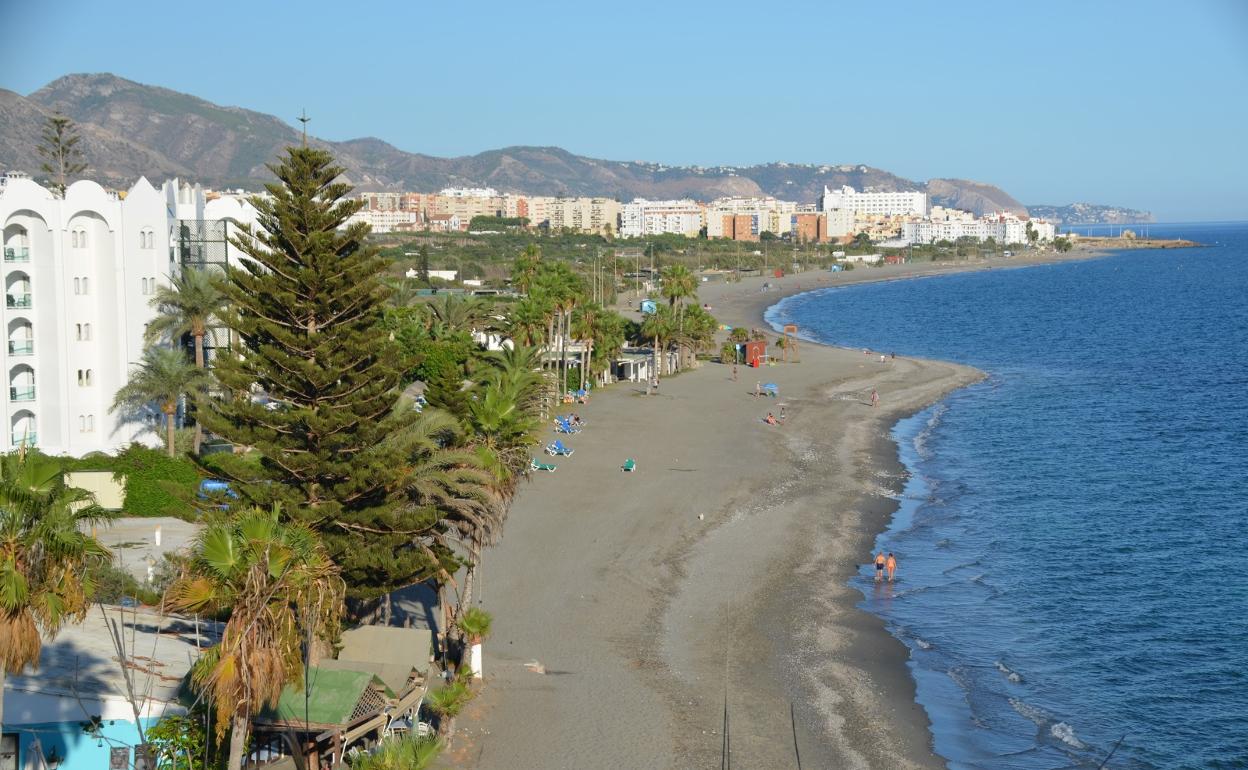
(1141, 104)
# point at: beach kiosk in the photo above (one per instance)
(755, 353)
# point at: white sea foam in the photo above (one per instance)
(922, 644)
(1066, 734)
(1010, 673)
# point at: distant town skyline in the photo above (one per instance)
(1075, 103)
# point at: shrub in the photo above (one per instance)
(114, 585)
(408, 754)
(450, 700)
(476, 623)
(156, 484)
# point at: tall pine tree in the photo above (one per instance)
(307, 307)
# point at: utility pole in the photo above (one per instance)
(303, 118)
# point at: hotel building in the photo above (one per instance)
(79, 275)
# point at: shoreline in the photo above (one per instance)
(688, 594)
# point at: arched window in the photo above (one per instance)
(82, 423)
(86, 331)
(77, 286)
(90, 423)
(73, 239)
(78, 331)
(82, 378)
(85, 288)
(90, 377)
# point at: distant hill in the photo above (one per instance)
(1091, 214)
(130, 129)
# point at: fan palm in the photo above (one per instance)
(279, 586)
(46, 557)
(163, 377)
(408, 754)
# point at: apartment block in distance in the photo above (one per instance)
(885, 204)
(79, 275)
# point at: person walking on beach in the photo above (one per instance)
(734, 371)
(891, 566)
(758, 389)
(879, 567)
(875, 398)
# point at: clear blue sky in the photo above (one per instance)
(1141, 104)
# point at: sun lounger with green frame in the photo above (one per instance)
(534, 465)
(629, 465)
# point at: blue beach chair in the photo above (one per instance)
(558, 448)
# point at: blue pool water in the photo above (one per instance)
(1072, 545)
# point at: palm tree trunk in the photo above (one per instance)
(170, 432)
(238, 740)
(199, 363)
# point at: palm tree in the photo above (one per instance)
(526, 323)
(186, 306)
(46, 557)
(679, 284)
(164, 376)
(525, 269)
(280, 587)
(659, 327)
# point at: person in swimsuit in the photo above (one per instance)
(891, 566)
(879, 566)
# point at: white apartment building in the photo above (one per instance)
(469, 192)
(79, 273)
(383, 220)
(1002, 227)
(644, 217)
(874, 203)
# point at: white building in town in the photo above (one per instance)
(645, 217)
(79, 273)
(383, 220)
(885, 204)
(1003, 227)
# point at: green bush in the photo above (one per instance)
(156, 484)
(113, 584)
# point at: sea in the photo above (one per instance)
(1073, 536)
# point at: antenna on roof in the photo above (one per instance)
(303, 118)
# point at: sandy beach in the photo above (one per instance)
(714, 579)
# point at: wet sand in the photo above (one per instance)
(715, 577)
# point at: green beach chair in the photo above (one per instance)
(629, 465)
(534, 465)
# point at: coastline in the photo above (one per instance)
(651, 621)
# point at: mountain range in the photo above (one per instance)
(129, 129)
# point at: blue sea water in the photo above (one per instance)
(1072, 540)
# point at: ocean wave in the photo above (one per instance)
(1010, 673)
(1066, 734)
(924, 435)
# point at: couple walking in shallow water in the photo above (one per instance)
(882, 564)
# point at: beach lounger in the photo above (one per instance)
(629, 465)
(558, 448)
(564, 427)
(534, 465)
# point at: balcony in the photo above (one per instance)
(21, 347)
(21, 301)
(16, 253)
(24, 439)
(22, 393)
